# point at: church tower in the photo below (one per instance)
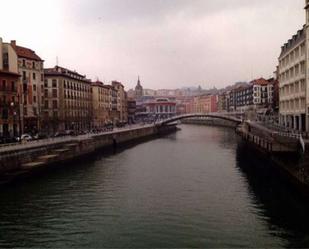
(139, 89)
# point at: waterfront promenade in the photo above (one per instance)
(8, 148)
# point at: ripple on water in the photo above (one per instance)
(189, 189)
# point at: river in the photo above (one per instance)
(195, 188)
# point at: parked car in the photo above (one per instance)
(26, 137)
(60, 134)
(70, 133)
(40, 136)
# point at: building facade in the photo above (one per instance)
(161, 108)
(30, 67)
(205, 104)
(223, 102)
(263, 93)
(131, 111)
(293, 82)
(9, 92)
(121, 101)
(67, 101)
(100, 105)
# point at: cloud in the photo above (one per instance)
(170, 43)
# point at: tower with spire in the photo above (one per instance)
(139, 89)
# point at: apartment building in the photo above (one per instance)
(67, 101)
(263, 92)
(257, 95)
(223, 102)
(292, 82)
(114, 113)
(205, 104)
(30, 67)
(9, 94)
(121, 101)
(131, 105)
(100, 105)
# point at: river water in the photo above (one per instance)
(195, 188)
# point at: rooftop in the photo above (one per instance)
(260, 81)
(61, 71)
(25, 52)
(295, 40)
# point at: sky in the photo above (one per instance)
(169, 43)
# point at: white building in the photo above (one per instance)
(293, 82)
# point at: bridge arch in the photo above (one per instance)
(202, 115)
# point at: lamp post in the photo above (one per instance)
(14, 118)
(19, 114)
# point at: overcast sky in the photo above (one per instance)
(169, 43)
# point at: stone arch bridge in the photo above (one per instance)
(233, 117)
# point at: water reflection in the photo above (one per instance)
(196, 188)
(285, 210)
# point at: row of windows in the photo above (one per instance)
(9, 101)
(77, 86)
(77, 95)
(297, 87)
(293, 55)
(76, 114)
(76, 105)
(34, 76)
(31, 64)
(293, 72)
(8, 86)
(291, 105)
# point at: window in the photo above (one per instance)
(33, 65)
(33, 76)
(24, 63)
(5, 113)
(55, 104)
(34, 99)
(46, 83)
(24, 75)
(46, 104)
(46, 93)
(54, 83)
(4, 85)
(55, 93)
(34, 88)
(13, 86)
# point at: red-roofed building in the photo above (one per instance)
(263, 93)
(30, 67)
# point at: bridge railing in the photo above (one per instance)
(227, 116)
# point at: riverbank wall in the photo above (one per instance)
(284, 153)
(211, 122)
(25, 160)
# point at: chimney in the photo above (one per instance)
(13, 43)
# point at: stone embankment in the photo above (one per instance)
(210, 122)
(21, 160)
(287, 152)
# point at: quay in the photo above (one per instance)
(287, 151)
(18, 161)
